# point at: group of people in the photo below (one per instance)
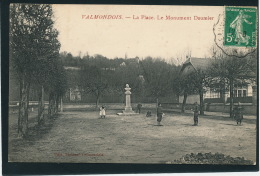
(160, 114)
(237, 113)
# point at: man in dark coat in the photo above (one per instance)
(139, 106)
(159, 114)
(238, 115)
(196, 114)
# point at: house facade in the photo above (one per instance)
(242, 93)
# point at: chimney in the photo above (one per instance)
(188, 58)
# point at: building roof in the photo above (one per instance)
(197, 63)
(203, 63)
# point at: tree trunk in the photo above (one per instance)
(184, 102)
(222, 93)
(223, 96)
(97, 101)
(40, 105)
(231, 99)
(61, 104)
(54, 105)
(19, 113)
(51, 105)
(201, 102)
(23, 108)
(57, 104)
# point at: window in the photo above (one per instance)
(244, 93)
(239, 93)
(214, 93)
(235, 93)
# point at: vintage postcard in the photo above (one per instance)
(135, 84)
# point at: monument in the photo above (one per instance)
(128, 108)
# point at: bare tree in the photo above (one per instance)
(185, 86)
(32, 40)
(231, 69)
(92, 81)
(158, 77)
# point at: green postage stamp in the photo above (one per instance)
(240, 26)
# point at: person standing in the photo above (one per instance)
(102, 112)
(159, 114)
(196, 114)
(139, 106)
(238, 115)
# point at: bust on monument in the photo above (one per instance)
(127, 90)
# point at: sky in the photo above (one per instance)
(131, 37)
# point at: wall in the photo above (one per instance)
(213, 107)
(247, 108)
(191, 99)
(241, 99)
(113, 97)
(114, 106)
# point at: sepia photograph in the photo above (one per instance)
(133, 84)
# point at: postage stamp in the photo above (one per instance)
(240, 27)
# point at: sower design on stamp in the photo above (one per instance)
(240, 27)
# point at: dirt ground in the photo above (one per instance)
(82, 137)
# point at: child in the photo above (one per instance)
(148, 114)
(102, 112)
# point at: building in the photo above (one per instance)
(242, 93)
(192, 64)
(74, 94)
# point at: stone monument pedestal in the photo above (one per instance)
(128, 108)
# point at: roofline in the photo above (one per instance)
(184, 65)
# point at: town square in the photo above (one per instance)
(121, 84)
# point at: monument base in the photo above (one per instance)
(127, 113)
